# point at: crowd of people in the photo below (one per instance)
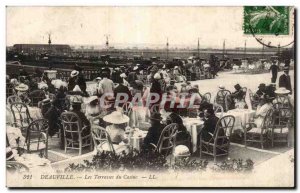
(144, 89)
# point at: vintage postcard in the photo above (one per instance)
(150, 96)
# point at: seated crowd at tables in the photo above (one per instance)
(172, 102)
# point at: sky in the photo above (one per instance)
(182, 26)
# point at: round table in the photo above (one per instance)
(194, 127)
(136, 139)
(242, 117)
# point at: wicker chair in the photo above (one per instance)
(13, 99)
(220, 98)
(37, 136)
(206, 97)
(282, 121)
(127, 108)
(259, 134)
(21, 115)
(36, 96)
(73, 132)
(10, 90)
(253, 100)
(219, 140)
(167, 140)
(102, 141)
(218, 109)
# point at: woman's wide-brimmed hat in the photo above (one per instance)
(221, 87)
(116, 117)
(123, 75)
(156, 116)
(157, 76)
(282, 90)
(22, 87)
(74, 73)
(76, 99)
(98, 78)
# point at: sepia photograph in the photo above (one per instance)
(150, 96)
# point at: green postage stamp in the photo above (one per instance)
(266, 20)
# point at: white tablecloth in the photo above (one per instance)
(138, 116)
(242, 116)
(57, 83)
(35, 113)
(193, 126)
(136, 139)
(13, 134)
(91, 88)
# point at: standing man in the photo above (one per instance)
(106, 85)
(274, 68)
(285, 80)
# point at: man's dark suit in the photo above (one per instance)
(153, 135)
(285, 81)
(124, 90)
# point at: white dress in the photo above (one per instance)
(261, 112)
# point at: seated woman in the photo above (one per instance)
(92, 110)
(183, 136)
(76, 108)
(237, 98)
(22, 90)
(116, 130)
(261, 111)
(154, 132)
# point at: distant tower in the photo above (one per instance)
(107, 41)
(224, 47)
(198, 48)
(167, 48)
(49, 42)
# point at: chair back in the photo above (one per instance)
(224, 129)
(37, 133)
(13, 99)
(282, 102)
(221, 97)
(20, 114)
(167, 139)
(206, 97)
(127, 108)
(72, 126)
(253, 101)
(282, 117)
(52, 96)
(218, 109)
(268, 120)
(100, 137)
(10, 90)
(36, 96)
